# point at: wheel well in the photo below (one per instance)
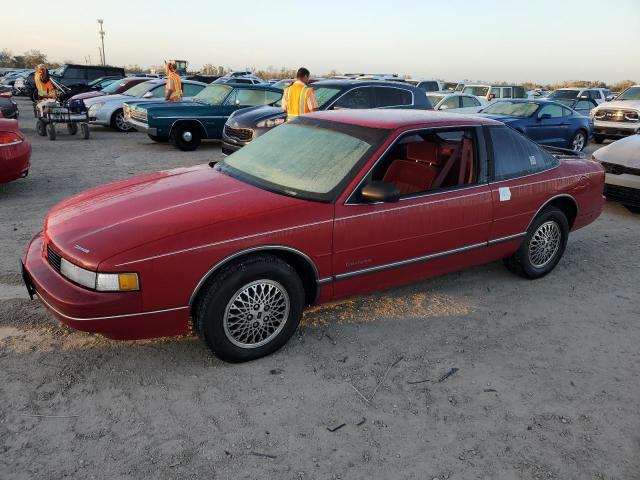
(568, 206)
(113, 115)
(193, 123)
(299, 263)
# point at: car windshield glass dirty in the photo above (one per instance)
(564, 94)
(139, 89)
(632, 93)
(213, 94)
(477, 91)
(513, 109)
(298, 159)
(324, 95)
(112, 87)
(58, 72)
(434, 99)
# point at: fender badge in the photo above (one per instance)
(81, 248)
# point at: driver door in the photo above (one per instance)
(549, 126)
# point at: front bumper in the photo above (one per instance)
(141, 126)
(615, 129)
(118, 315)
(624, 188)
(99, 117)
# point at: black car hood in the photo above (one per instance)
(249, 117)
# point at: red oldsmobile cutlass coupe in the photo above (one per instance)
(330, 205)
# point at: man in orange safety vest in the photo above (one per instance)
(46, 89)
(299, 98)
(173, 88)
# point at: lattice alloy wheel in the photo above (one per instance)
(256, 313)
(544, 244)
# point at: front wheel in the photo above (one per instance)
(51, 131)
(119, 122)
(186, 137)
(598, 139)
(543, 245)
(41, 128)
(250, 309)
(579, 141)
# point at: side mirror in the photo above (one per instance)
(237, 102)
(443, 107)
(148, 95)
(379, 191)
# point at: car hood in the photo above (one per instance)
(108, 99)
(624, 152)
(248, 117)
(499, 118)
(105, 221)
(620, 104)
(87, 95)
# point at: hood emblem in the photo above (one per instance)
(81, 248)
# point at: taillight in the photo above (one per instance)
(9, 138)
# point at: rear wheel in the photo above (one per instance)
(72, 128)
(598, 138)
(84, 128)
(542, 247)
(250, 309)
(51, 131)
(579, 141)
(155, 138)
(186, 137)
(119, 122)
(41, 128)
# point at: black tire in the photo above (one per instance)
(41, 128)
(119, 123)
(84, 128)
(633, 209)
(155, 138)
(581, 139)
(186, 137)
(72, 128)
(219, 292)
(598, 138)
(51, 131)
(521, 262)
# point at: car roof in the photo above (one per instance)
(253, 86)
(361, 83)
(399, 118)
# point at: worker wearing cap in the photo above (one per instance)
(173, 88)
(47, 94)
(299, 98)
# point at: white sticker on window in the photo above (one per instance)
(532, 159)
(505, 194)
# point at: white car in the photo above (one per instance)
(494, 92)
(618, 118)
(456, 102)
(599, 95)
(621, 162)
(109, 110)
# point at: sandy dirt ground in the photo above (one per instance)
(547, 383)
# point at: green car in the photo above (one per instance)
(186, 124)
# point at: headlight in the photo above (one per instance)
(102, 282)
(271, 122)
(95, 107)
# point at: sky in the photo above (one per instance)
(540, 41)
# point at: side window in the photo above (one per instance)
(431, 160)
(392, 97)
(566, 112)
(470, 102)
(518, 92)
(429, 86)
(495, 92)
(583, 105)
(554, 110)
(75, 73)
(158, 92)
(191, 89)
(506, 92)
(515, 156)
(451, 102)
(356, 98)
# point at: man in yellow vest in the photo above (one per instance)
(173, 88)
(299, 98)
(46, 90)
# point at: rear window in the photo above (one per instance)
(429, 86)
(477, 91)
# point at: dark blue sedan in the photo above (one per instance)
(543, 121)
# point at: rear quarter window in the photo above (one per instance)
(514, 155)
(392, 97)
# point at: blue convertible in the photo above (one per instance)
(543, 121)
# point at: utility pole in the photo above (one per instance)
(101, 32)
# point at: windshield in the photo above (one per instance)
(434, 99)
(213, 94)
(513, 109)
(631, 93)
(112, 87)
(449, 86)
(477, 91)
(324, 95)
(564, 94)
(307, 157)
(58, 72)
(567, 101)
(139, 89)
(282, 84)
